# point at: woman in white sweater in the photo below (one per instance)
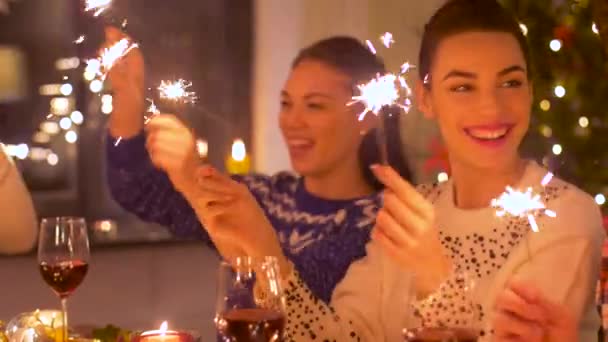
(474, 65)
(18, 226)
(475, 81)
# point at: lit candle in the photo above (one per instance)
(238, 161)
(164, 335)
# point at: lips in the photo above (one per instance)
(489, 135)
(299, 142)
(299, 147)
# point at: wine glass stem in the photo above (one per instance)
(64, 309)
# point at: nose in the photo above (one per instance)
(490, 104)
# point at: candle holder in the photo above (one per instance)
(164, 335)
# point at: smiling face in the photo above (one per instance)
(480, 95)
(321, 132)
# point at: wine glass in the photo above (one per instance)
(63, 256)
(447, 315)
(250, 304)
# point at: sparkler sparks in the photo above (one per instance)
(80, 39)
(152, 109)
(97, 6)
(177, 91)
(387, 39)
(384, 90)
(109, 56)
(523, 203)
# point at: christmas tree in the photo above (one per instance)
(569, 126)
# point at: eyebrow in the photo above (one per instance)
(470, 75)
(308, 96)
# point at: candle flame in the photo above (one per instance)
(239, 152)
(163, 327)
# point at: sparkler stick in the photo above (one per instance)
(384, 95)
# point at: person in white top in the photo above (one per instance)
(474, 273)
(18, 227)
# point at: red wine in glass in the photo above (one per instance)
(441, 335)
(250, 305)
(252, 325)
(63, 255)
(65, 276)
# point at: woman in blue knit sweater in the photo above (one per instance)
(322, 216)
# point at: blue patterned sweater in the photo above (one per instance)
(321, 237)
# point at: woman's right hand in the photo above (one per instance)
(127, 80)
(172, 148)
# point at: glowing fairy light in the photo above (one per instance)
(177, 91)
(97, 6)
(387, 39)
(109, 56)
(523, 203)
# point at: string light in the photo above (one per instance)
(600, 199)
(442, 177)
(595, 29)
(557, 149)
(71, 137)
(96, 86)
(65, 123)
(560, 91)
(66, 89)
(545, 105)
(583, 121)
(555, 45)
(546, 131)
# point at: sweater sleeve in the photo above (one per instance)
(563, 259)
(568, 248)
(146, 191)
(355, 311)
(18, 227)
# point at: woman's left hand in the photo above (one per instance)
(523, 313)
(231, 213)
(405, 228)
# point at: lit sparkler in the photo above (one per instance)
(97, 6)
(177, 91)
(384, 90)
(523, 203)
(109, 56)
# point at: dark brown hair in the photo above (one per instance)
(349, 56)
(460, 16)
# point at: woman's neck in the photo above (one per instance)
(475, 188)
(339, 184)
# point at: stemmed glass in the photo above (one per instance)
(250, 304)
(451, 314)
(63, 256)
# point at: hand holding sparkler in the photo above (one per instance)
(126, 77)
(172, 148)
